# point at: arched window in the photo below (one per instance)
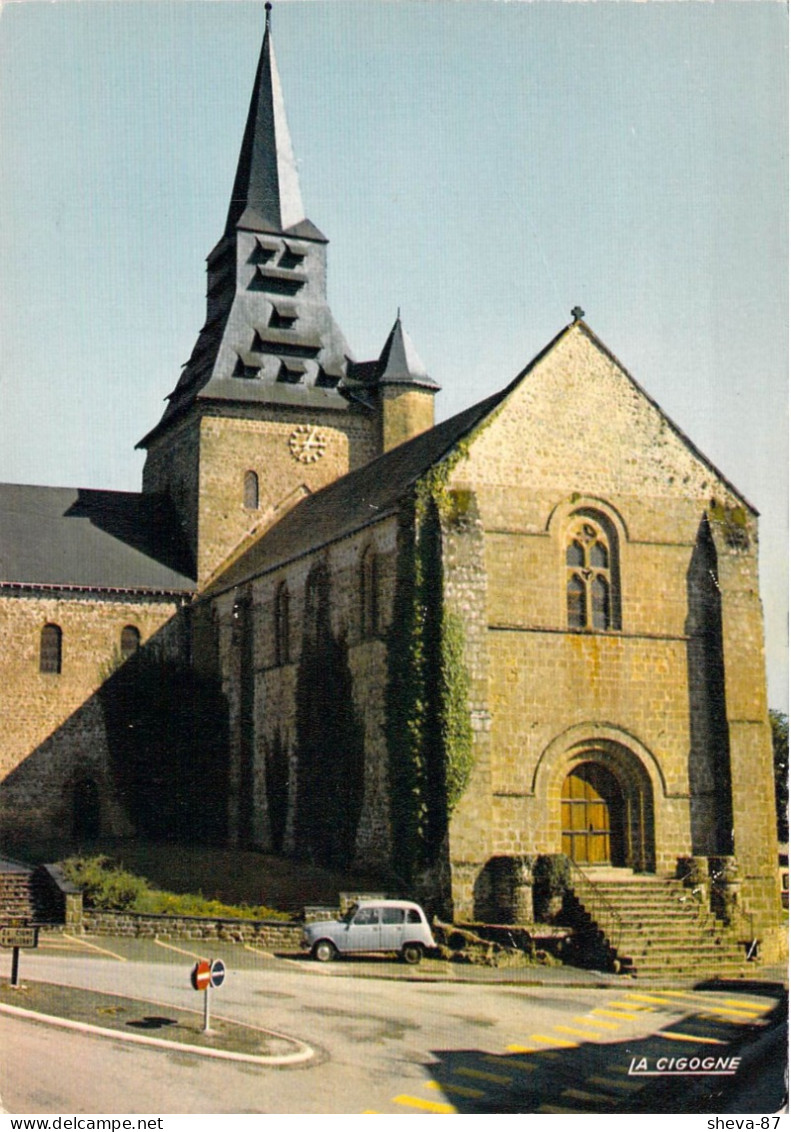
(130, 641)
(51, 649)
(591, 576)
(282, 627)
(369, 593)
(317, 605)
(251, 491)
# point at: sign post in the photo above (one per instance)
(17, 938)
(205, 975)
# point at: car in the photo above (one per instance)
(372, 925)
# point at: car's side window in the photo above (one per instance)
(413, 916)
(367, 916)
(392, 915)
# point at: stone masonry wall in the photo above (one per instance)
(577, 438)
(53, 726)
(270, 935)
(275, 680)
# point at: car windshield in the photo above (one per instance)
(347, 919)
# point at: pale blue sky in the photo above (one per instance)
(485, 166)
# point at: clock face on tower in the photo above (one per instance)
(307, 443)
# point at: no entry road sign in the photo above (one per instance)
(200, 976)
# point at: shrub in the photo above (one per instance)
(108, 887)
(105, 886)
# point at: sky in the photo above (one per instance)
(483, 166)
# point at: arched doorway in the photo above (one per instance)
(592, 816)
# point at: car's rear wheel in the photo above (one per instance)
(325, 950)
(412, 953)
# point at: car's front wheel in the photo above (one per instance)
(324, 951)
(412, 953)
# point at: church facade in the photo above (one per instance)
(534, 628)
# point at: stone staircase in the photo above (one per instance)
(23, 895)
(653, 926)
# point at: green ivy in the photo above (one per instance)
(456, 726)
(428, 729)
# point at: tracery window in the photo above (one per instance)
(282, 627)
(369, 593)
(130, 641)
(51, 649)
(590, 577)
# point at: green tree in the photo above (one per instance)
(779, 723)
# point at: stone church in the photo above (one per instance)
(429, 651)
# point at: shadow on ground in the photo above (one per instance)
(612, 1076)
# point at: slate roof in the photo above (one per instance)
(105, 540)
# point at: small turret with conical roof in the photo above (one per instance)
(397, 385)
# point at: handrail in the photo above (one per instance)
(605, 914)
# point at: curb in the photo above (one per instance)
(303, 1053)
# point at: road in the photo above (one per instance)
(382, 1045)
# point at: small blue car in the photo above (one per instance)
(372, 925)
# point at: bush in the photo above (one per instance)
(108, 887)
(105, 886)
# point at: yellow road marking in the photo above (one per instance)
(762, 1008)
(739, 1015)
(458, 1090)
(512, 1063)
(554, 1041)
(582, 1095)
(418, 1102)
(688, 1038)
(702, 1000)
(260, 951)
(613, 1013)
(547, 1055)
(576, 1033)
(595, 1022)
(556, 1108)
(95, 947)
(180, 950)
(631, 1006)
(614, 1083)
(649, 998)
(483, 1075)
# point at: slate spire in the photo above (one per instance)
(399, 363)
(266, 195)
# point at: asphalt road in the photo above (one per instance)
(392, 1045)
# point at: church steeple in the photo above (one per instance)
(269, 336)
(266, 196)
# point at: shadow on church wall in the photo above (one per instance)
(145, 755)
(711, 815)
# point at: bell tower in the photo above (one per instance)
(261, 413)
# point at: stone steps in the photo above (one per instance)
(22, 898)
(654, 926)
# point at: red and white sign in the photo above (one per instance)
(200, 976)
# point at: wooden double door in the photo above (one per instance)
(592, 816)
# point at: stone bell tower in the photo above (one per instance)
(260, 415)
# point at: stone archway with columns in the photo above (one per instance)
(608, 777)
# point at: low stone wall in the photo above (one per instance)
(270, 935)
